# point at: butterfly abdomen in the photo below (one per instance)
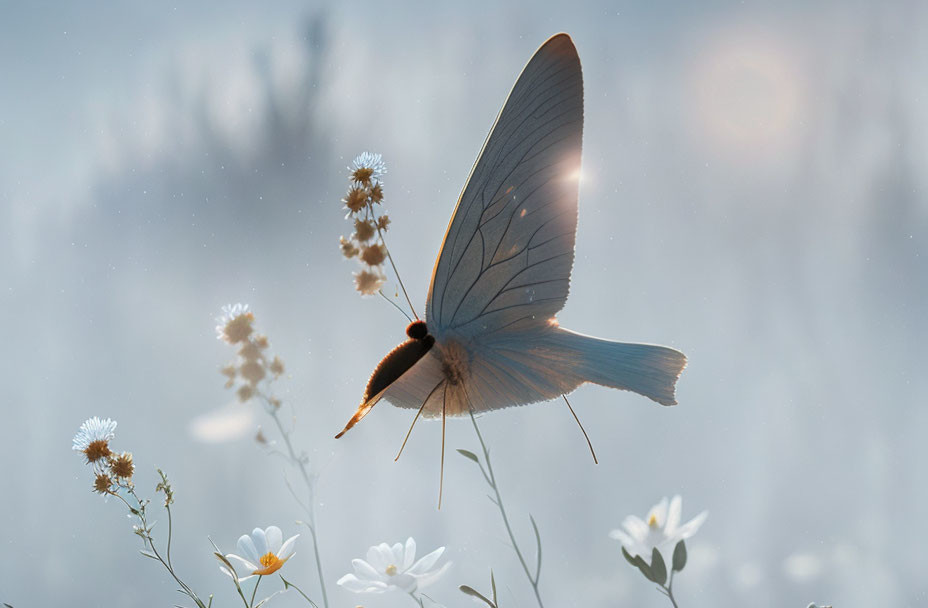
(396, 363)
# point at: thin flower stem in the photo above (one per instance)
(255, 592)
(416, 599)
(139, 512)
(502, 510)
(241, 595)
(668, 590)
(309, 506)
(170, 533)
(288, 584)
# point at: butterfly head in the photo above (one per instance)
(417, 330)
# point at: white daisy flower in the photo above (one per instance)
(235, 323)
(94, 430)
(393, 567)
(262, 553)
(662, 530)
(368, 168)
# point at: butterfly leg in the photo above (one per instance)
(441, 479)
(588, 442)
(419, 413)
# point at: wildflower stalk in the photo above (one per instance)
(288, 584)
(490, 478)
(254, 593)
(144, 532)
(310, 504)
(668, 590)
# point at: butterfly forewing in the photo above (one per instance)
(508, 251)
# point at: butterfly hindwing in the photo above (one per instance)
(508, 251)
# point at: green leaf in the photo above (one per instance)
(474, 593)
(493, 585)
(148, 554)
(639, 563)
(658, 567)
(468, 454)
(679, 556)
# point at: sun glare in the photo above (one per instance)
(748, 94)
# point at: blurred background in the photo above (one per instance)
(754, 194)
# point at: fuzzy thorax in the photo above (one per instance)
(455, 362)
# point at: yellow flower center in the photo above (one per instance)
(271, 564)
(653, 521)
(391, 570)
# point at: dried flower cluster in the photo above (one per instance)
(366, 243)
(236, 327)
(111, 470)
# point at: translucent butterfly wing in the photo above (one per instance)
(509, 248)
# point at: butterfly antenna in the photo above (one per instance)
(397, 273)
(409, 432)
(441, 478)
(395, 305)
(588, 442)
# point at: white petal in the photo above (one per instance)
(365, 571)
(386, 555)
(637, 529)
(622, 537)
(375, 559)
(689, 528)
(225, 570)
(260, 540)
(246, 547)
(639, 549)
(409, 555)
(244, 567)
(673, 514)
(430, 577)
(423, 565)
(404, 581)
(659, 511)
(352, 583)
(274, 539)
(287, 550)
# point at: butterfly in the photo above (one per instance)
(490, 338)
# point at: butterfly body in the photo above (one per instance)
(503, 273)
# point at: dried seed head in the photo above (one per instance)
(245, 392)
(377, 193)
(364, 230)
(103, 484)
(250, 351)
(252, 371)
(97, 451)
(374, 255)
(122, 466)
(349, 249)
(368, 282)
(356, 199)
(276, 367)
